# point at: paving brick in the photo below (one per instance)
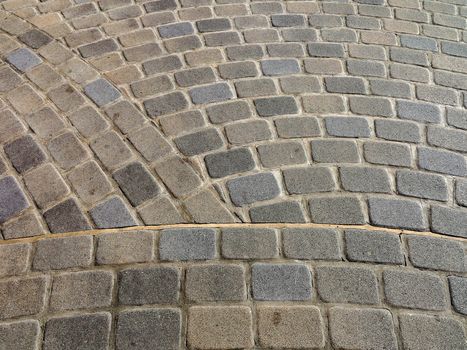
(387, 153)
(397, 213)
(285, 50)
(26, 225)
(150, 143)
(309, 180)
(456, 117)
(253, 188)
(228, 111)
(35, 38)
(182, 122)
(206, 207)
(149, 285)
(111, 149)
(268, 107)
(66, 217)
(23, 59)
(461, 192)
(311, 244)
(293, 320)
(213, 25)
(279, 154)
(447, 138)
(163, 64)
(244, 52)
(222, 38)
(12, 198)
(175, 29)
(101, 92)
(139, 53)
(347, 127)
(71, 332)
(10, 126)
(365, 179)
(285, 211)
(229, 162)
(44, 76)
(22, 296)
(113, 212)
(281, 282)
(325, 20)
(195, 76)
(362, 328)
(160, 211)
(9, 79)
(66, 97)
(422, 185)
(419, 111)
(326, 50)
(390, 88)
(448, 221)
(22, 335)
(375, 106)
(415, 290)
(366, 68)
(124, 247)
(339, 34)
(297, 127)
(98, 48)
(203, 57)
(255, 87)
(185, 43)
(218, 282)
(437, 94)
(187, 244)
(178, 176)
(409, 72)
(24, 99)
(444, 162)
(323, 66)
(395, 130)
(86, 120)
(67, 150)
(15, 259)
(280, 67)
(248, 132)
(249, 243)
(334, 151)
(420, 331)
(211, 93)
(373, 246)
(457, 287)
(45, 122)
(346, 85)
(199, 142)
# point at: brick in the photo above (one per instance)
(151, 86)
(22, 335)
(139, 53)
(449, 63)
(286, 211)
(437, 94)
(279, 67)
(373, 52)
(397, 213)
(111, 149)
(297, 127)
(339, 34)
(66, 98)
(336, 210)
(298, 35)
(238, 70)
(308, 180)
(457, 287)
(248, 132)
(409, 72)
(24, 99)
(12, 199)
(285, 50)
(182, 122)
(79, 10)
(175, 29)
(390, 88)
(456, 117)
(150, 143)
(365, 179)
(101, 92)
(372, 9)
(182, 44)
(160, 5)
(149, 285)
(304, 320)
(334, 151)
(44, 77)
(63, 253)
(195, 76)
(362, 328)
(447, 138)
(267, 8)
(444, 162)
(213, 25)
(454, 49)
(415, 290)
(253, 188)
(9, 79)
(255, 87)
(461, 192)
(45, 122)
(67, 150)
(347, 127)
(230, 162)
(10, 127)
(348, 85)
(206, 207)
(27, 225)
(187, 244)
(160, 211)
(422, 185)
(449, 21)
(35, 38)
(323, 104)
(448, 221)
(163, 64)
(450, 79)
(178, 176)
(71, 332)
(78, 70)
(203, 57)
(223, 38)
(228, 111)
(419, 43)
(243, 52)
(252, 21)
(419, 111)
(279, 154)
(249, 243)
(66, 216)
(89, 182)
(211, 93)
(22, 296)
(378, 38)
(15, 259)
(112, 213)
(87, 121)
(23, 59)
(325, 20)
(272, 106)
(98, 48)
(311, 244)
(298, 85)
(326, 50)
(124, 248)
(199, 142)
(387, 153)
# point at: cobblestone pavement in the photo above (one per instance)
(234, 288)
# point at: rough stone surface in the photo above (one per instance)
(187, 244)
(311, 244)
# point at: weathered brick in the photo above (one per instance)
(448, 221)
(253, 188)
(179, 123)
(285, 50)
(461, 192)
(297, 127)
(124, 247)
(46, 122)
(390, 88)
(422, 185)
(311, 244)
(206, 207)
(25, 99)
(66, 97)
(211, 93)
(279, 154)
(163, 64)
(113, 212)
(229, 162)
(66, 216)
(21, 335)
(451, 139)
(195, 76)
(15, 259)
(280, 67)
(151, 86)
(418, 111)
(457, 287)
(150, 142)
(67, 150)
(437, 94)
(12, 198)
(175, 29)
(329, 66)
(187, 244)
(199, 142)
(347, 127)
(444, 162)
(223, 38)
(244, 133)
(397, 213)
(98, 48)
(178, 176)
(255, 87)
(346, 85)
(160, 5)
(334, 151)
(365, 179)
(244, 52)
(160, 211)
(272, 106)
(326, 50)
(285, 211)
(309, 180)
(213, 25)
(336, 210)
(387, 153)
(23, 59)
(228, 111)
(249, 243)
(409, 72)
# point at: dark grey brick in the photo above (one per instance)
(347, 127)
(272, 106)
(365, 179)
(220, 282)
(281, 153)
(397, 130)
(334, 151)
(24, 153)
(160, 5)
(309, 180)
(285, 211)
(298, 127)
(66, 217)
(444, 162)
(414, 290)
(345, 85)
(436, 253)
(137, 183)
(149, 285)
(373, 246)
(390, 88)
(253, 188)
(228, 111)
(165, 104)
(422, 185)
(281, 282)
(355, 285)
(211, 93)
(98, 48)
(229, 162)
(112, 213)
(149, 328)
(35, 38)
(187, 244)
(175, 29)
(280, 67)
(213, 25)
(163, 64)
(397, 213)
(458, 286)
(73, 332)
(23, 59)
(12, 199)
(347, 210)
(199, 142)
(418, 111)
(419, 43)
(22, 335)
(387, 153)
(249, 243)
(237, 70)
(287, 20)
(311, 244)
(326, 50)
(101, 92)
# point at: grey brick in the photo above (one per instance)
(35, 38)
(249, 243)
(281, 282)
(336, 210)
(66, 217)
(185, 43)
(12, 199)
(438, 6)
(365, 179)
(285, 50)
(456, 117)
(80, 10)
(280, 67)
(373, 246)
(387, 153)
(101, 92)
(149, 285)
(326, 50)
(454, 49)
(125, 115)
(414, 290)
(362, 328)
(376, 106)
(334, 151)
(420, 332)
(228, 111)
(418, 111)
(372, 9)
(367, 51)
(150, 142)
(160, 5)
(253, 188)
(175, 29)
(238, 70)
(213, 25)
(252, 21)
(136, 329)
(255, 87)
(24, 153)
(288, 20)
(244, 133)
(457, 286)
(211, 93)
(229, 162)
(244, 52)
(187, 244)
(449, 221)
(67, 150)
(272, 106)
(23, 59)
(412, 15)
(297, 127)
(178, 176)
(409, 72)
(9, 79)
(366, 68)
(299, 34)
(449, 21)
(461, 192)
(112, 213)
(347, 285)
(63, 253)
(222, 39)
(390, 88)
(361, 22)
(163, 64)
(152, 86)
(327, 66)
(452, 139)
(436, 253)
(71, 332)
(199, 142)
(450, 79)
(179, 123)
(324, 20)
(124, 247)
(339, 35)
(15, 258)
(309, 180)
(281, 153)
(419, 43)
(311, 244)
(345, 85)
(422, 185)
(165, 104)
(444, 162)
(437, 94)
(98, 48)
(397, 213)
(285, 211)
(206, 207)
(159, 212)
(347, 127)
(266, 8)
(86, 120)
(220, 282)
(111, 149)
(299, 85)
(22, 335)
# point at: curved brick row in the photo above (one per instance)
(234, 287)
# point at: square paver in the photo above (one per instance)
(12, 199)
